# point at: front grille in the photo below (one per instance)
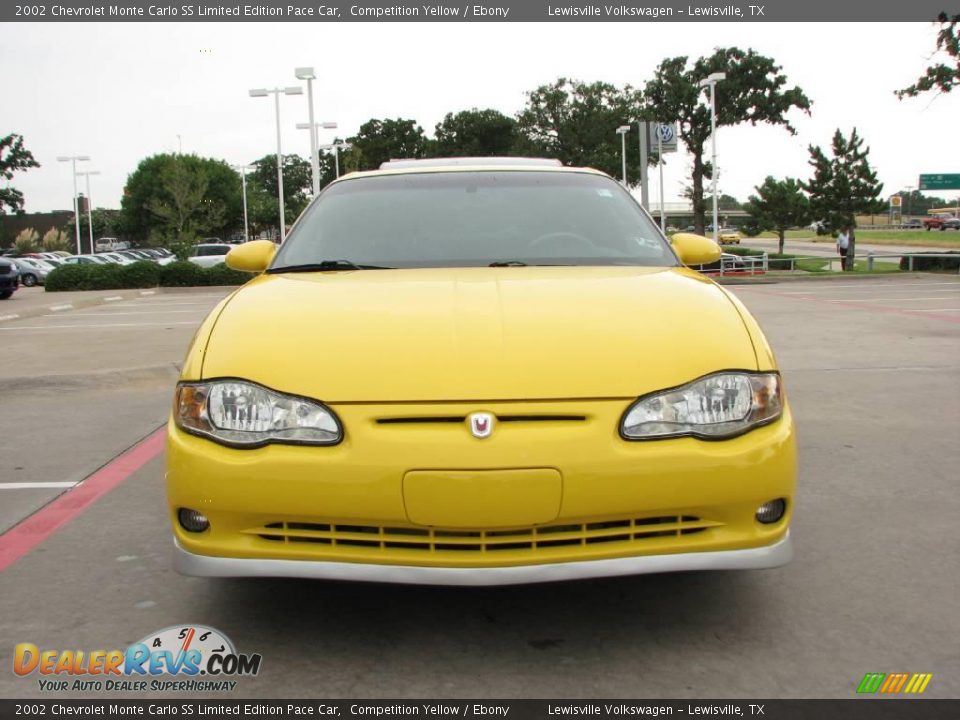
(626, 530)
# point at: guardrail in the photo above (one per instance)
(760, 264)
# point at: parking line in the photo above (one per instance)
(60, 308)
(34, 530)
(872, 287)
(35, 485)
(9, 317)
(132, 312)
(113, 298)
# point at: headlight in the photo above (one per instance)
(712, 408)
(242, 414)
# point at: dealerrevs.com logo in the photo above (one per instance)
(185, 658)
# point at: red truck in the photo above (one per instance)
(941, 222)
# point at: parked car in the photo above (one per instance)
(33, 271)
(84, 260)
(116, 257)
(209, 254)
(478, 372)
(9, 278)
(107, 244)
(951, 224)
(912, 224)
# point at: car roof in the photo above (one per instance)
(453, 165)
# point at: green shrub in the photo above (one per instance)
(933, 264)
(751, 228)
(181, 273)
(141, 274)
(222, 275)
(65, 277)
(742, 251)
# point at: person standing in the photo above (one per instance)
(843, 246)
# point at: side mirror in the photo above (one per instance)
(695, 249)
(254, 256)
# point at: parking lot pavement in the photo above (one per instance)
(80, 386)
(872, 370)
(827, 247)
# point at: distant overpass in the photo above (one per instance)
(685, 209)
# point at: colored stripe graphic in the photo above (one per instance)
(918, 683)
(871, 682)
(893, 683)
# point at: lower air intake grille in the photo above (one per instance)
(477, 541)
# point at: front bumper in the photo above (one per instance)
(420, 501)
(780, 553)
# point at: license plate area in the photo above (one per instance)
(482, 499)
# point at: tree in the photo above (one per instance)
(941, 76)
(106, 223)
(148, 187)
(382, 140)
(754, 91)
(576, 122)
(843, 187)
(13, 157)
(297, 188)
(184, 208)
(779, 205)
(475, 133)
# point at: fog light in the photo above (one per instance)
(769, 512)
(192, 521)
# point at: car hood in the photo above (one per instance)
(478, 333)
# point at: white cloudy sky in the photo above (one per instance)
(119, 92)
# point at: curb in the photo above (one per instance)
(65, 305)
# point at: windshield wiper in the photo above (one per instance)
(326, 265)
(508, 263)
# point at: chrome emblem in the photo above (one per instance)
(481, 424)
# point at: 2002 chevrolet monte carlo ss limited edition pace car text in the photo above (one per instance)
(478, 373)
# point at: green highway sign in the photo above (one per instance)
(940, 181)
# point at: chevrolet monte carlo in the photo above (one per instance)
(470, 372)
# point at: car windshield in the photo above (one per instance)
(469, 219)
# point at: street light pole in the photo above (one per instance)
(87, 174)
(622, 131)
(243, 180)
(711, 81)
(313, 127)
(76, 208)
(277, 92)
(306, 73)
(337, 147)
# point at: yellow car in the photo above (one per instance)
(478, 373)
(729, 236)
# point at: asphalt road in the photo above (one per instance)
(826, 247)
(872, 367)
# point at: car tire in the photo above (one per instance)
(28, 280)
(5, 295)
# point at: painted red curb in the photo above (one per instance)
(22, 538)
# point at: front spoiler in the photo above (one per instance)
(770, 556)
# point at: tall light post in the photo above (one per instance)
(307, 73)
(277, 92)
(711, 81)
(243, 181)
(337, 147)
(87, 175)
(314, 127)
(622, 132)
(909, 189)
(76, 209)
